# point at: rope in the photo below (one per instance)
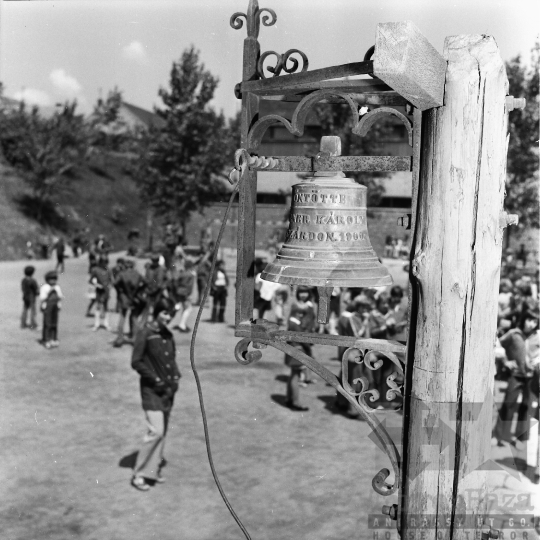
(195, 373)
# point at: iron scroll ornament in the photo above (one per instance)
(245, 357)
(281, 63)
(253, 19)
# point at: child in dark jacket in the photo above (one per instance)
(50, 296)
(30, 292)
(301, 319)
(220, 283)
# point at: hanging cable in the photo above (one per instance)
(234, 173)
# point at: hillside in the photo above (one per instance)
(101, 198)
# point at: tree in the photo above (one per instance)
(522, 164)
(109, 131)
(44, 150)
(182, 164)
(336, 119)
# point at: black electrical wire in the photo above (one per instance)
(195, 373)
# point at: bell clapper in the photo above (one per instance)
(325, 294)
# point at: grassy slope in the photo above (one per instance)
(88, 202)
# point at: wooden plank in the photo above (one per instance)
(341, 163)
(283, 82)
(456, 266)
(408, 63)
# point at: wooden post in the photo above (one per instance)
(456, 263)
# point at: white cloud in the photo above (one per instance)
(65, 84)
(33, 96)
(135, 51)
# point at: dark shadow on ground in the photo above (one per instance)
(330, 405)
(279, 399)
(129, 461)
(517, 463)
(282, 378)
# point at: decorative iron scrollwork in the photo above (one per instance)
(365, 123)
(369, 53)
(295, 126)
(253, 19)
(281, 63)
(244, 356)
(371, 359)
(356, 354)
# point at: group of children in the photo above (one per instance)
(50, 301)
(517, 358)
(137, 294)
(361, 313)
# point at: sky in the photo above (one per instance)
(51, 50)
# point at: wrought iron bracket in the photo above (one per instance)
(295, 126)
(265, 333)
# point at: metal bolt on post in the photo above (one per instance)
(515, 103)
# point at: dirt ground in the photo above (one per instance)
(71, 421)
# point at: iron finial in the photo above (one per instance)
(253, 19)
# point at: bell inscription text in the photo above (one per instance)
(329, 219)
(328, 236)
(320, 198)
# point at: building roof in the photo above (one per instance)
(137, 116)
(9, 103)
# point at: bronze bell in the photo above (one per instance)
(327, 244)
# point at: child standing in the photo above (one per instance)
(301, 319)
(50, 296)
(100, 278)
(220, 282)
(30, 292)
(354, 322)
(181, 285)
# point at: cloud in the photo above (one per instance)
(33, 96)
(135, 51)
(65, 84)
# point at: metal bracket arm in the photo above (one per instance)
(244, 356)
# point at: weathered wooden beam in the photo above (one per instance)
(406, 61)
(456, 264)
(283, 82)
(341, 163)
